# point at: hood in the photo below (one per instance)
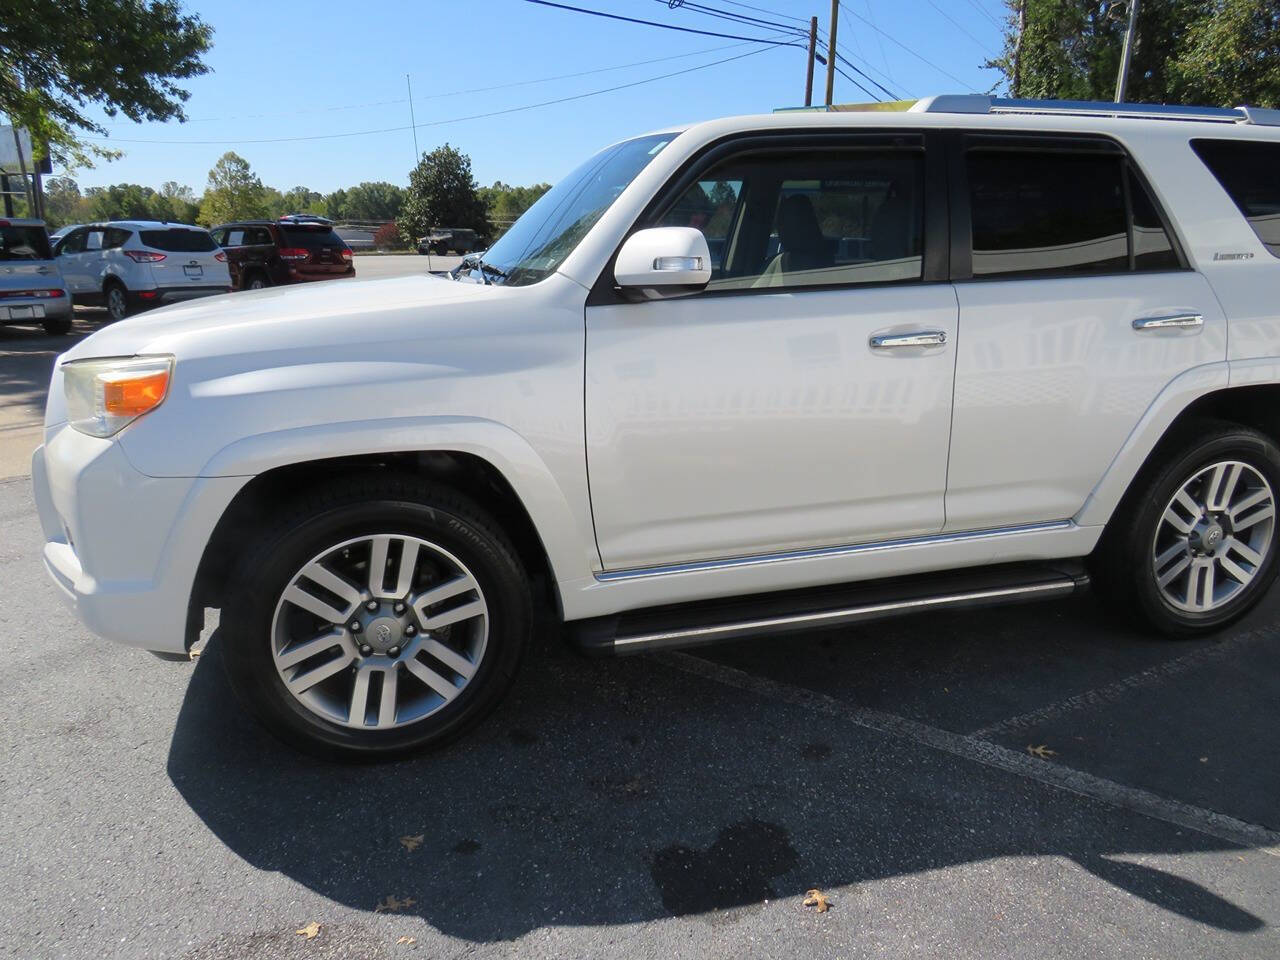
(334, 311)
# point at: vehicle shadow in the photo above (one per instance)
(620, 791)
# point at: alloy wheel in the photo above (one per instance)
(380, 632)
(116, 305)
(1213, 536)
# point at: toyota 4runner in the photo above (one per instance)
(980, 351)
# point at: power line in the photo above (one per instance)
(655, 23)
(895, 42)
(985, 12)
(437, 123)
(887, 92)
(731, 16)
(955, 23)
(844, 12)
(456, 93)
(775, 13)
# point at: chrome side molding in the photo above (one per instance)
(822, 553)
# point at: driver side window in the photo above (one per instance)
(815, 218)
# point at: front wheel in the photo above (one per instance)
(1193, 546)
(382, 617)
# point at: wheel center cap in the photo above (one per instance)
(1208, 536)
(383, 633)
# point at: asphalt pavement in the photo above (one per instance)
(1031, 781)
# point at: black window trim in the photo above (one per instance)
(962, 217)
(936, 252)
(1194, 144)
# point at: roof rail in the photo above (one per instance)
(978, 103)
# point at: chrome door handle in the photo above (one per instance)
(1179, 321)
(922, 338)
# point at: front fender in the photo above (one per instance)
(562, 523)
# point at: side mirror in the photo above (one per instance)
(664, 260)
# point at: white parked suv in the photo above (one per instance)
(971, 353)
(128, 265)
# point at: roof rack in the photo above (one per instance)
(979, 103)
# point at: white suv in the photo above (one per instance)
(127, 265)
(970, 353)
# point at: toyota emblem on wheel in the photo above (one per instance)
(383, 633)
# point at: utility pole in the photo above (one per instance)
(22, 165)
(1123, 80)
(813, 49)
(831, 51)
(412, 122)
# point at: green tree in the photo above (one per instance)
(506, 203)
(442, 193)
(123, 201)
(301, 200)
(176, 203)
(234, 192)
(1186, 51)
(63, 203)
(58, 57)
(373, 200)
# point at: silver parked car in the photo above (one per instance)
(31, 286)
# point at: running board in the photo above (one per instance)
(714, 621)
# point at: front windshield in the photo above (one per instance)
(548, 231)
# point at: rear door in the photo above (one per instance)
(232, 241)
(192, 258)
(1076, 309)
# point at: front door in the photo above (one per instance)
(804, 398)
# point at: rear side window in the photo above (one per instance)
(1250, 173)
(115, 237)
(310, 238)
(1061, 213)
(24, 243)
(178, 241)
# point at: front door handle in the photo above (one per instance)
(1178, 321)
(920, 338)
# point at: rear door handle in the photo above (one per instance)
(920, 338)
(1178, 321)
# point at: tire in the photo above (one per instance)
(432, 698)
(57, 326)
(116, 299)
(1187, 552)
(256, 282)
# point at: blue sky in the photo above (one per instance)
(284, 69)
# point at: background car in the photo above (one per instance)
(457, 239)
(31, 286)
(293, 249)
(132, 264)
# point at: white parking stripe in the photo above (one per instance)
(968, 747)
(1113, 692)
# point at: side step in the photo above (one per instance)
(736, 618)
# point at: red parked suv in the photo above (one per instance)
(293, 249)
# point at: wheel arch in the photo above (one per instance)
(469, 474)
(1166, 426)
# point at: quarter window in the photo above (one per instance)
(836, 217)
(1061, 213)
(1248, 172)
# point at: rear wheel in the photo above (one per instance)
(256, 282)
(383, 617)
(1193, 546)
(57, 326)
(117, 299)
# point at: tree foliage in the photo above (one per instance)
(442, 193)
(1217, 52)
(506, 203)
(375, 200)
(234, 192)
(58, 57)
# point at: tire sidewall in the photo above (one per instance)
(1237, 444)
(117, 288)
(249, 639)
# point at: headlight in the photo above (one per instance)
(105, 395)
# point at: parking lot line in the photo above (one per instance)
(977, 750)
(1112, 692)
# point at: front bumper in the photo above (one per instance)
(123, 548)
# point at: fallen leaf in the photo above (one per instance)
(816, 898)
(405, 941)
(413, 843)
(1042, 751)
(310, 931)
(393, 905)
(1204, 759)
